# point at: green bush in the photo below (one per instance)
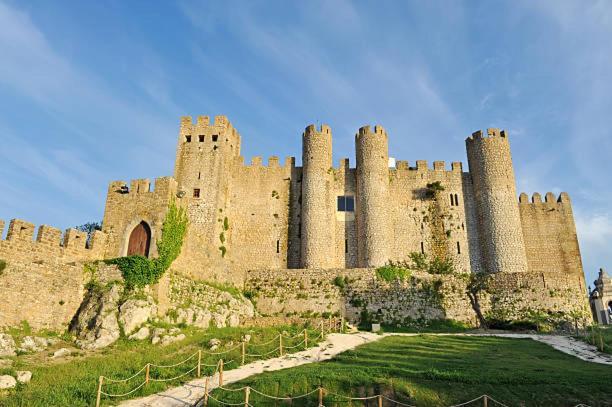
(139, 271)
(391, 272)
(340, 282)
(2, 265)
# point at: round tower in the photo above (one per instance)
(372, 196)
(317, 199)
(499, 221)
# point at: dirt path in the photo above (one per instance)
(191, 392)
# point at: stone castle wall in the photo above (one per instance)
(361, 294)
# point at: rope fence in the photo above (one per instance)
(323, 396)
(325, 327)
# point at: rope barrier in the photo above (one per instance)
(173, 378)
(125, 380)
(176, 364)
(124, 394)
(105, 380)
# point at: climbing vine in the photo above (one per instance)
(139, 271)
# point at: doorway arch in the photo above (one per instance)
(140, 240)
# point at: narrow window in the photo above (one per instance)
(201, 138)
(215, 138)
(346, 204)
(422, 248)
(199, 174)
(345, 245)
(300, 230)
(463, 226)
(456, 200)
(350, 204)
(196, 192)
(278, 246)
(451, 198)
(188, 139)
(341, 204)
(458, 248)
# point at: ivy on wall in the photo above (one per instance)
(139, 271)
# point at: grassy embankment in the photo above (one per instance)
(432, 370)
(72, 381)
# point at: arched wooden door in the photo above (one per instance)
(140, 240)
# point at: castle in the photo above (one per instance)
(320, 216)
(247, 218)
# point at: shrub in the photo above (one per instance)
(2, 265)
(340, 282)
(391, 272)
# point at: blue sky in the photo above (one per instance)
(92, 91)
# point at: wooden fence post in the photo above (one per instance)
(206, 392)
(342, 325)
(280, 344)
(305, 339)
(485, 400)
(247, 391)
(99, 395)
(220, 372)
(199, 362)
(379, 400)
(320, 396)
(147, 373)
(243, 352)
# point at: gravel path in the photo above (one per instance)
(191, 392)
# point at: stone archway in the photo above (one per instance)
(140, 240)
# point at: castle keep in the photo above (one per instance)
(251, 224)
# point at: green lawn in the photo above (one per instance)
(73, 381)
(439, 371)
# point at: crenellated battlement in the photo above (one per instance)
(492, 133)
(273, 162)
(423, 165)
(142, 186)
(50, 243)
(311, 130)
(367, 130)
(549, 199)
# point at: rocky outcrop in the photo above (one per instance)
(142, 334)
(7, 382)
(134, 312)
(35, 343)
(95, 323)
(201, 304)
(24, 376)
(7, 345)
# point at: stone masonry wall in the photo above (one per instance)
(361, 294)
(550, 234)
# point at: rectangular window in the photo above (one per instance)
(345, 245)
(201, 138)
(215, 138)
(422, 248)
(188, 139)
(196, 193)
(458, 248)
(278, 246)
(346, 204)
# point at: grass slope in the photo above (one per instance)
(73, 381)
(443, 370)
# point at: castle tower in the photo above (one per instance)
(317, 242)
(499, 223)
(372, 196)
(204, 154)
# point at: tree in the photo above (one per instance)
(89, 228)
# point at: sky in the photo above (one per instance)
(92, 92)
